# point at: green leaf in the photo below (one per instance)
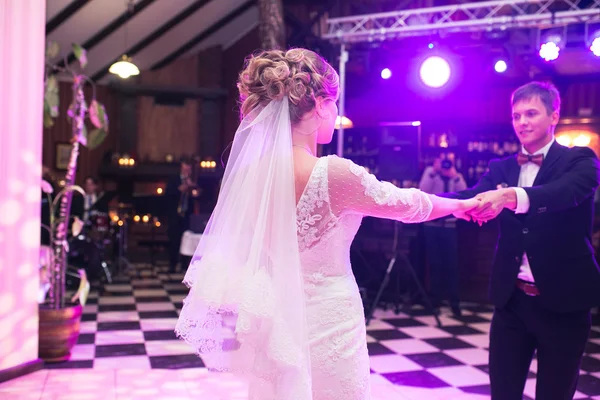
(48, 120)
(83, 136)
(51, 95)
(81, 54)
(96, 138)
(52, 50)
(98, 115)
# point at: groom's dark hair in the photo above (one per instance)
(546, 91)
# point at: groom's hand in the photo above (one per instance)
(493, 202)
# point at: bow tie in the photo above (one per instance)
(523, 158)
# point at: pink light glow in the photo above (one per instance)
(22, 29)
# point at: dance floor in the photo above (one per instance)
(127, 350)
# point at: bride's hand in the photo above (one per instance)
(464, 207)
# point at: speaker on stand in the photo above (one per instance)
(399, 152)
(398, 162)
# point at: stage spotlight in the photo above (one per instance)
(500, 66)
(386, 73)
(550, 50)
(435, 72)
(593, 40)
(595, 47)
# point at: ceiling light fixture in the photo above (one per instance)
(125, 67)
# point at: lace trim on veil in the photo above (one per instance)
(245, 307)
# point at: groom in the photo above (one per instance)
(545, 278)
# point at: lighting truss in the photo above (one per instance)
(480, 16)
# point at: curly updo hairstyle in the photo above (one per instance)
(301, 75)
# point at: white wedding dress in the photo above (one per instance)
(337, 196)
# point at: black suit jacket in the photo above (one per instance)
(101, 205)
(173, 197)
(555, 232)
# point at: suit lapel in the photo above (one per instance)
(554, 154)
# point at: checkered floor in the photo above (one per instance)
(128, 326)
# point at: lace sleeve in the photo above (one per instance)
(353, 189)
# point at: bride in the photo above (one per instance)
(272, 294)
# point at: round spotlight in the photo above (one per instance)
(435, 72)
(430, 46)
(386, 73)
(595, 47)
(500, 66)
(549, 51)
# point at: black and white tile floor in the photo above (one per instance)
(127, 350)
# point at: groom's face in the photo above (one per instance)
(533, 124)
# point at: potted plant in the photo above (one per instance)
(58, 319)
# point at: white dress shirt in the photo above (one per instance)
(526, 178)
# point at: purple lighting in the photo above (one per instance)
(386, 73)
(549, 51)
(595, 47)
(435, 72)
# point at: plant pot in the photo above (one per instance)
(58, 333)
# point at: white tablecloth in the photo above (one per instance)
(189, 242)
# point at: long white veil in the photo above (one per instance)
(246, 269)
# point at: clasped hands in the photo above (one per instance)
(487, 205)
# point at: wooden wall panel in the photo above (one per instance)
(164, 129)
(181, 72)
(168, 129)
(89, 160)
(210, 68)
(581, 95)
